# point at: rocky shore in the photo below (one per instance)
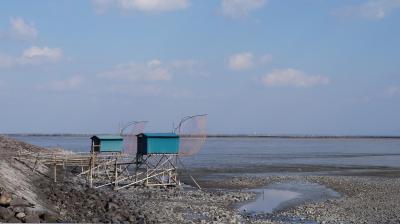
(27, 196)
(363, 199)
(71, 200)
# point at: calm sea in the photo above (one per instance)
(247, 153)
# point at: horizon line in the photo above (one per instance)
(220, 135)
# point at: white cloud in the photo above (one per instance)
(145, 89)
(265, 59)
(372, 9)
(240, 8)
(246, 60)
(22, 29)
(102, 6)
(241, 61)
(292, 77)
(151, 78)
(153, 70)
(32, 56)
(36, 54)
(71, 83)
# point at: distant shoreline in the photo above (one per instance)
(228, 136)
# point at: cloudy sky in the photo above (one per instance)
(264, 66)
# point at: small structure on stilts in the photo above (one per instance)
(157, 159)
(132, 158)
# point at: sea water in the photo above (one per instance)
(254, 153)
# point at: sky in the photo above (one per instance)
(254, 66)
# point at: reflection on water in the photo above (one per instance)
(287, 194)
(269, 200)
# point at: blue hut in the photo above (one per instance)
(157, 143)
(107, 143)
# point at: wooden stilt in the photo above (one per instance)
(91, 166)
(55, 172)
(116, 173)
(55, 168)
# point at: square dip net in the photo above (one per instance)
(192, 134)
(129, 132)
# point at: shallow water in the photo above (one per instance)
(268, 200)
(253, 153)
(281, 196)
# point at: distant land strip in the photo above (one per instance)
(224, 136)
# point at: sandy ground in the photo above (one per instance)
(366, 197)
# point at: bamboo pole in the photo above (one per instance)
(116, 172)
(55, 169)
(91, 168)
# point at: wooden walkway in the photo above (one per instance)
(109, 169)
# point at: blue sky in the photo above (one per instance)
(255, 66)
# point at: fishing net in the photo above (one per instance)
(129, 133)
(192, 133)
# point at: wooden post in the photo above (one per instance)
(147, 174)
(91, 171)
(91, 166)
(137, 167)
(116, 173)
(55, 168)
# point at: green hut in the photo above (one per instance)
(157, 143)
(106, 143)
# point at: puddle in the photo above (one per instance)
(268, 200)
(282, 196)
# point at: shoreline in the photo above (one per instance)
(273, 136)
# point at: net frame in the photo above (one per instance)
(192, 134)
(129, 132)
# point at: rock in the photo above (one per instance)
(20, 215)
(96, 220)
(14, 220)
(111, 206)
(18, 209)
(131, 218)
(32, 218)
(5, 213)
(5, 199)
(49, 218)
(20, 202)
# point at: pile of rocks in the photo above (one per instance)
(76, 203)
(17, 210)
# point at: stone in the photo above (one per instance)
(20, 215)
(19, 202)
(131, 218)
(96, 220)
(14, 220)
(111, 206)
(18, 209)
(5, 213)
(32, 218)
(49, 218)
(5, 199)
